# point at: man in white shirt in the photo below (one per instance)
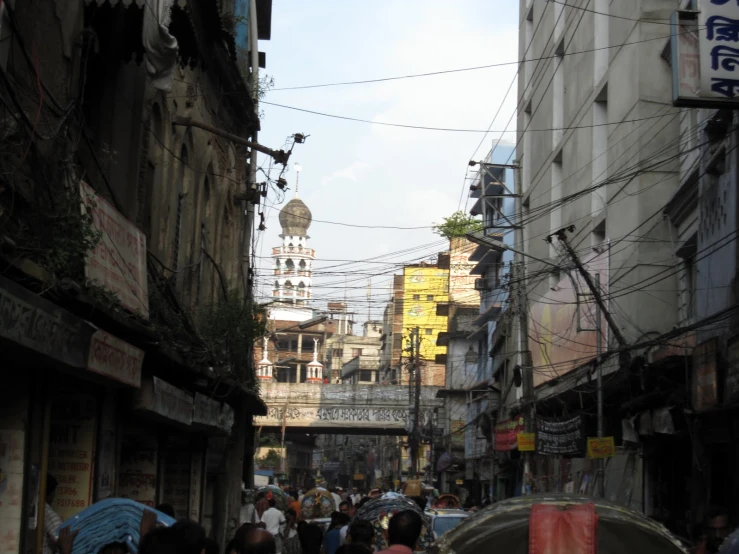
(272, 520)
(356, 497)
(336, 497)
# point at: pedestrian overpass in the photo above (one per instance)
(351, 409)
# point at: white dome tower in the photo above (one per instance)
(265, 368)
(315, 368)
(293, 261)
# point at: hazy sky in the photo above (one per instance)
(370, 175)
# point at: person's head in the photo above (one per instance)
(161, 540)
(114, 548)
(291, 515)
(167, 509)
(421, 501)
(356, 490)
(362, 532)
(211, 546)
(272, 503)
(717, 526)
(405, 528)
(190, 537)
(311, 538)
(344, 507)
(352, 548)
(250, 539)
(51, 485)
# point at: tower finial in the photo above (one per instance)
(315, 350)
(298, 169)
(264, 349)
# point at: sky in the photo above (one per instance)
(370, 175)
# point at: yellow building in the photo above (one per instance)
(423, 288)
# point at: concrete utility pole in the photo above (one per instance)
(524, 354)
(601, 311)
(416, 434)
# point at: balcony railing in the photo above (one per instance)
(297, 250)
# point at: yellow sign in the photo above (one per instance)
(526, 442)
(601, 448)
(459, 481)
(359, 476)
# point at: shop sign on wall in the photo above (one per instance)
(114, 358)
(138, 467)
(12, 445)
(72, 451)
(165, 400)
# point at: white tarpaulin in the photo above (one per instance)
(160, 46)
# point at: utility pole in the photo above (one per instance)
(524, 354)
(601, 311)
(599, 350)
(416, 433)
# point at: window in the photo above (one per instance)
(416, 297)
(338, 353)
(356, 352)
(430, 297)
(429, 331)
(365, 376)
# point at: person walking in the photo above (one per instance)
(403, 533)
(273, 519)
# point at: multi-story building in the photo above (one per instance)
(601, 162)
(124, 384)
(492, 192)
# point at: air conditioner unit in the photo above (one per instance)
(480, 284)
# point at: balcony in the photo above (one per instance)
(293, 251)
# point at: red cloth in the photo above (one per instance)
(554, 530)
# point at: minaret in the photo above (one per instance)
(315, 368)
(293, 260)
(265, 368)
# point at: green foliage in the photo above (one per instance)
(70, 237)
(269, 440)
(271, 459)
(229, 329)
(457, 225)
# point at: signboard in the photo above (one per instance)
(506, 432)
(206, 411)
(118, 262)
(705, 55)
(601, 448)
(560, 436)
(718, 43)
(459, 482)
(704, 384)
(359, 476)
(114, 358)
(29, 320)
(196, 481)
(331, 466)
(12, 445)
(72, 451)
(106, 450)
(526, 442)
(557, 346)
(261, 480)
(138, 467)
(341, 415)
(165, 400)
(176, 479)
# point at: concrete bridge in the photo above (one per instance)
(345, 409)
